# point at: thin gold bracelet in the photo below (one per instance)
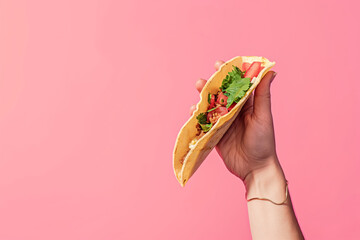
(269, 200)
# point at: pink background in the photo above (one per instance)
(93, 93)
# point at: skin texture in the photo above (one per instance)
(249, 152)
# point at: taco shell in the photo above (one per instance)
(185, 160)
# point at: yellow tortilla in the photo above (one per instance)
(185, 160)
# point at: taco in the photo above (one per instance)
(221, 100)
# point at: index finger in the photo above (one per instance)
(218, 64)
(201, 82)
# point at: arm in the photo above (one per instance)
(248, 151)
(268, 220)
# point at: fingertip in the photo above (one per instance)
(273, 76)
(200, 84)
(262, 98)
(266, 81)
(218, 64)
(192, 109)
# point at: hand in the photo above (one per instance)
(248, 147)
(248, 151)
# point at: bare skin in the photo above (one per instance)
(248, 151)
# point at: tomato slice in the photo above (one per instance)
(245, 66)
(253, 70)
(212, 101)
(231, 107)
(221, 111)
(222, 99)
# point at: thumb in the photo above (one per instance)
(262, 99)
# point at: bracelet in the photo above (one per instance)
(269, 200)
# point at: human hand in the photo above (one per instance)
(248, 147)
(248, 151)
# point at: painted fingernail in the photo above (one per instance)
(273, 76)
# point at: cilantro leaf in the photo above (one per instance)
(206, 127)
(237, 89)
(234, 74)
(202, 118)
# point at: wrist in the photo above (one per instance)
(267, 182)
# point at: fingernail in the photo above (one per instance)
(273, 76)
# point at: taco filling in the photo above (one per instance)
(233, 88)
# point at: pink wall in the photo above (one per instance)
(93, 93)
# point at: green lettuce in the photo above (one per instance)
(235, 86)
(202, 119)
(236, 73)
(206, 127)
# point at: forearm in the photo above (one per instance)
(268, 220)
